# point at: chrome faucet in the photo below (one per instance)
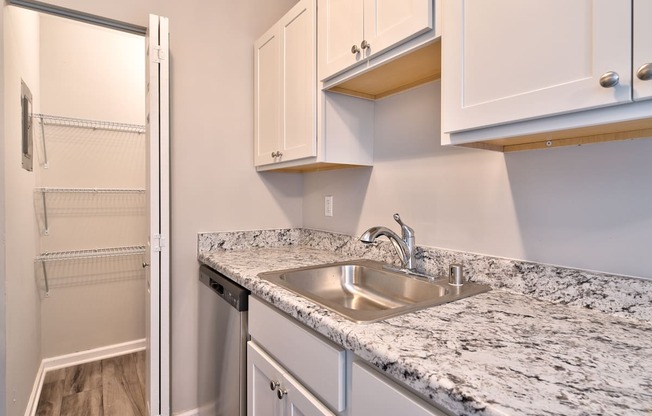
(404, 245)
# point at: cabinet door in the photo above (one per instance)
(271, 391)
(263, 375)
(299, 81)
(372, 394)
(267, 93)
(300, 402)
(642, 48)
(340, 29)
(509, 60)
(389, 22)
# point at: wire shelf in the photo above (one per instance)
(92, 190)
(91, 254)
(125, 200)
(85, 275)
(89, 124)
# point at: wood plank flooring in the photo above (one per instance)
(111, 387)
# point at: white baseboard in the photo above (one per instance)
(88, 356)
(77, 358)
(193, 412)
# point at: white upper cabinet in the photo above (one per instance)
(350, 31)
(642, 57)
(267, 90)
(285, 88)
(520, 75)
(508, 60)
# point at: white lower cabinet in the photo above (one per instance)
(374, 394)
(292, 370)
(271, 391)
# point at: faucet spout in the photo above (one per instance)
(404, 245)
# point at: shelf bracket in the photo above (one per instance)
(45, 152)
(45, 215)
(45, 278)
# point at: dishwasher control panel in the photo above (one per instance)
(227, 289)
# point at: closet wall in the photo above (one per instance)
(92, 177)
(22, 307)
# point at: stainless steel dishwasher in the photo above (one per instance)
(222, 343)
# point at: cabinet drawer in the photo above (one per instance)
(314, 360)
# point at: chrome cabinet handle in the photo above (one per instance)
(355, 49)
(276, 154)
(273, 385)
(280, 393)
(644, 73)
(609, 79)
(145, 265)
(365, 45)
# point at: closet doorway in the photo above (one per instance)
(101, 197)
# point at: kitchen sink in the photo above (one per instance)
(368, 291)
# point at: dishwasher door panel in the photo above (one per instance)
(221, 356)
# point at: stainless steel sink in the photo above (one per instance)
(369, 291)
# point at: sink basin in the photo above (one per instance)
(369, 291)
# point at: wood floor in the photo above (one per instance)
(111, 387)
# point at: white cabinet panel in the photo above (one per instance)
(261, 374)
(381, 24)
(272, 391)
(317, 362)
(299, 134)
(285, 88)
(340, 28)
(267, 87)
(300, 402)
(642, 47)
(375, 395)
(386, 22)
(507, 60)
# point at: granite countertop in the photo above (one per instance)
(497, 353)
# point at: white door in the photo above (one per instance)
(510, 60)
(285, 109)
(271, 391)
(299, 77)
(373, 394)
(263, 380)
(340, 29)
(300, 402)
(267, 93)
(158, 253)
(642, 49)
(388, 22)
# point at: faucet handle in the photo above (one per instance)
(406, 231)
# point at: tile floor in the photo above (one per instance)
(110, 387)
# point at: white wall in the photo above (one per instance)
(587, 207)
(91, 72)
(214, 184)
(21, 60)
(3, 312)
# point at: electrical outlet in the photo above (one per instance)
(328, 206)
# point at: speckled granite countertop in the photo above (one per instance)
(498, 353)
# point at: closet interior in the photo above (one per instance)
(90, 198)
